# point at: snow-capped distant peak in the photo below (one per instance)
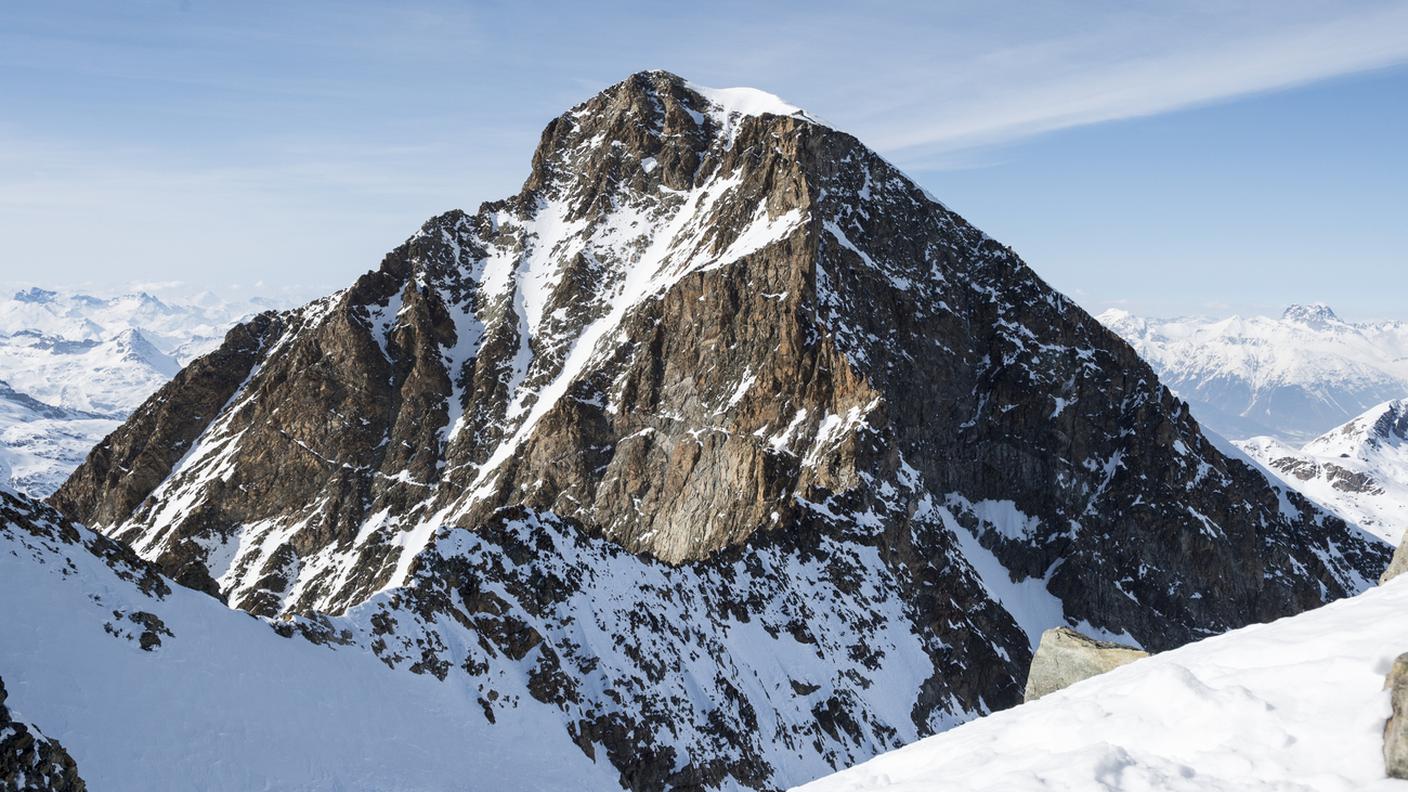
(35, 295)
(1123, 322)
(1313, 314)
(1386, 423)
(78, 361)
(1294, 377)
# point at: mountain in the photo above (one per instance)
(110, 377)
(196, 323)
(40, 444)
(1297, 704)
(74, 365)
(1358, 470)
(720, 445)
(1291, 378)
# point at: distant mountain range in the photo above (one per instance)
(72, 365)
(1291, 378)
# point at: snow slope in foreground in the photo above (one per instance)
(1296, 704)
(225, 703)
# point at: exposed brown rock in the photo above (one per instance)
(1396, 729)
(1065, 657)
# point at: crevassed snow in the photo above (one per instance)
(1291, 706)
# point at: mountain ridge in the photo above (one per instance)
(1358, 470)
(1291, 378)
(743, 359)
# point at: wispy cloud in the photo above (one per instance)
(1012, 86)
(297, 142)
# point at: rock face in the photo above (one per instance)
(1065, 657)
(31, 761)
(1396, 729)
(720, 402)
(1397, 566)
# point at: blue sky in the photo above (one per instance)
(1196, 157)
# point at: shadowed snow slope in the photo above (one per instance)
(153, 686)
(1293, 705)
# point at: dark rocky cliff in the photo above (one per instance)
(741, 357)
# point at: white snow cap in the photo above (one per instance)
(747, 101)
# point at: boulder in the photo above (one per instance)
(1065, 657)
(1398, 565)
(1396, 730)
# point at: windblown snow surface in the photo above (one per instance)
(1294, 705)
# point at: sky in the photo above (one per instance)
(1207, 157)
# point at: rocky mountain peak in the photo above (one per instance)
(1318, 315)
(35, 295)
(716, 369)
(1385, 425)
(1392, 425)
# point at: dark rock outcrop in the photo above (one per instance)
(31, 762)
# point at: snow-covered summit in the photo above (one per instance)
(1379, 430)
(1317, 315)
(749, 101)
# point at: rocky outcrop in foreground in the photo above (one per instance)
(1065, 657)
(1398, 565)
(1396, 729)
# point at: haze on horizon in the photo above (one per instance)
(1189, 159)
